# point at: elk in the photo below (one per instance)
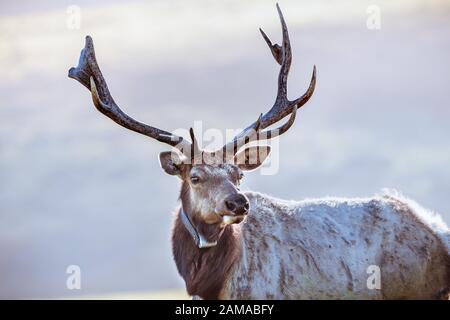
(229, 244)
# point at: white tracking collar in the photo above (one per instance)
(199, 240)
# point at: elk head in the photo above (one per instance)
(210, 193)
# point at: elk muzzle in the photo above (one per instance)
(237, 205)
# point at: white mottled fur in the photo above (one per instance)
(321, 249)
(430, 218)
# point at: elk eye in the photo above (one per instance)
(195, 179)
(241, 176)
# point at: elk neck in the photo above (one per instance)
(204, 270)
(199, 240)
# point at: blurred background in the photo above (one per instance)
(76, 189)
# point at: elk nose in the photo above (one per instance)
(238, 204)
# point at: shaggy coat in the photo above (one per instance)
(319, 249)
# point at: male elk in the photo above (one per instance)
(230, 244)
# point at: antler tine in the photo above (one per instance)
(89, 75)
(274, 48)
(282, 106)
(286, 60)
(195, 150)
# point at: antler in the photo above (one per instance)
(89, 75)
(282, 106)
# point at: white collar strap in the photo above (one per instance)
(199, 240)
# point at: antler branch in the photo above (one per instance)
(89, 75)
(282, 106)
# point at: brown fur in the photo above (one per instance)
(205, 271)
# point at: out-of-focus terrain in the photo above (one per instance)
(177, 294)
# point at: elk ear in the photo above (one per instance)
(171, 162)
(252, 157)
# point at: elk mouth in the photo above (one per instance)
(232, 218)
